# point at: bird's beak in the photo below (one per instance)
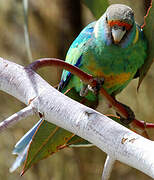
(117, 35)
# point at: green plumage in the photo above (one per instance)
(100, 57)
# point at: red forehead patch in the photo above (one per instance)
(119, 23)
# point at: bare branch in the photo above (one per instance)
(117, 141)
(27, 111)
(108, 167)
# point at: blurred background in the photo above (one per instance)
(53, 25)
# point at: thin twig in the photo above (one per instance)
(143, 124)
(39, 63)
(22, 114)
(147, 13)
(108, 167)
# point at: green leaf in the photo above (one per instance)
(48, 139)
(149, 33)
(97, 7)
(77, 141)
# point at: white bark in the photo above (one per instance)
(117, 141)
(108, 167)
(26, 112)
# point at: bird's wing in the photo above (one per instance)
(74, 54)
(142, 70)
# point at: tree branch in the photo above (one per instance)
(117, 141)
(108, 167)
(88, 79)
(27, 111)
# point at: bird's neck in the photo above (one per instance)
(131, 38)
(102, 31)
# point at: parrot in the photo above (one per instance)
(111, 49)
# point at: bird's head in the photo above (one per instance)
(120, 19)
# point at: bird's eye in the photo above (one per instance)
(106, 18)
(123, 28)
(115, 27)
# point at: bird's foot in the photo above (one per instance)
(131, 115)
(95, 90)
(99, 84)
(84, 90)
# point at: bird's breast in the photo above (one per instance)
(111, 79)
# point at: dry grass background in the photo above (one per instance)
(52, 29)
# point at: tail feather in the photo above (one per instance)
(22, 146)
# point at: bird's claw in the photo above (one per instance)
(95, 90)
(84, 90)
(131, 115)
(99, 84)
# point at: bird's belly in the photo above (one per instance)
(112, 81)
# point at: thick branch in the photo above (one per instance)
(117, 141)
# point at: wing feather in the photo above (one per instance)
(74, 54)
